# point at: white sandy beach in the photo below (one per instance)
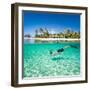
(53, 39)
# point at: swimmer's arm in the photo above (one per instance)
(54, 54)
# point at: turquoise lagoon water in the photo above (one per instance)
(39, 63)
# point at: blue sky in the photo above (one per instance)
(54, 22)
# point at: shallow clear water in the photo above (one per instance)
(39, 63)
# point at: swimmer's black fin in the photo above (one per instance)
(51, 52)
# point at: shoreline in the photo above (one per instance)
(53, 39)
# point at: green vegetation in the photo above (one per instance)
(44, 33)
(27, 35)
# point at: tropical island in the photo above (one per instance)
(44, 34)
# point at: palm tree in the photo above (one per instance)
(41, 31)
(46, 33)
(36, 33)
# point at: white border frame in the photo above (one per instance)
(82, 55)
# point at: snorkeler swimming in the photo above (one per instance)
(61, 50)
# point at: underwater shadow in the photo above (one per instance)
(59, 58)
